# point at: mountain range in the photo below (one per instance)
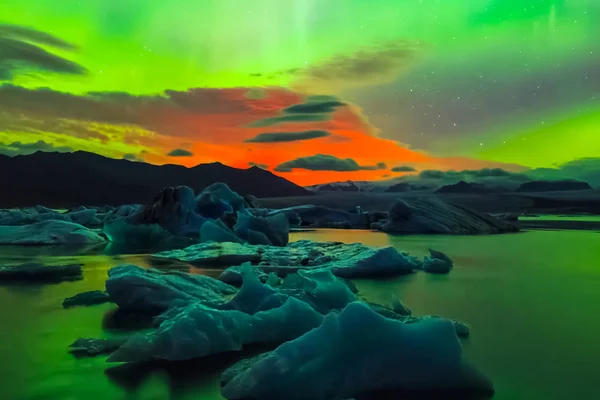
(64, 180)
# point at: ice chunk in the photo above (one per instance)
(344, 260)
(148, 290)
(319, 288)
(84, 217)
(274, 229)
(217, 199)
(48, 232)
(400, 308)
(217, 231)
(324, 291)
(93, 347)
(433, 215)
(121, 231)
(359, 351)
(40, 273)
(371, 262)
(233, 275)
(87, 299)
(225, 253)
(437, 263)
(197, 330)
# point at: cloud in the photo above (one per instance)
(584, 169)
(180, 153)
(20, 52)
(281, 137)
(324, 162)
(403, 168)
(285, 119)
(314, 109)
(473, 175)
(373, 65)
(133, 157)
(261, 166)
(18, 148)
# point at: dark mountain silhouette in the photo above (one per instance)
(553, 186)
(465, 187)
(81, 178)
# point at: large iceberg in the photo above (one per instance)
(356, 352)
(49, 232)
(432, 215)
(353, 260)
(148, 290)
(216, 214)
(197, 330)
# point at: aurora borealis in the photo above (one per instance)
(313, 90)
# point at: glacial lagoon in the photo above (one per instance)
(530, 299)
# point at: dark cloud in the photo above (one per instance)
(403, 168)
(281, 137)
(180, 153)
(324, 162)
(314, 109)
(133, 157)
(20, 53)
(261, 166)
(291, 118)
(19, 148)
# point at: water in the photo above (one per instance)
(530, 299)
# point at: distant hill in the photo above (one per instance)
(465, 187)
(406, 187)
(336, 187)
(81, 178)
(553, 186)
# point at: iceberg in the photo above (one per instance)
(152, 291)
(358, 351)
(93, 347)
(49, 232)
(258, 230)
(87, 299)
(40, 273)
(344, 260)
(433, 215)
(437, 263)
(319, 288)
(197, 330)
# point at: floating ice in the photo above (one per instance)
(433, 215)
(344, 260)
(359, 351)
(40, 273)
(148, 290)
(437, 263)
(48, 232)
(197, 330)
(87, 299)
(258, 230)
(93, 347)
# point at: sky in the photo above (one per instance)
(312, 90)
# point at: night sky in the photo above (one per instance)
(313, 90)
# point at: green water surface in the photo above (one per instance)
(530, 298)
